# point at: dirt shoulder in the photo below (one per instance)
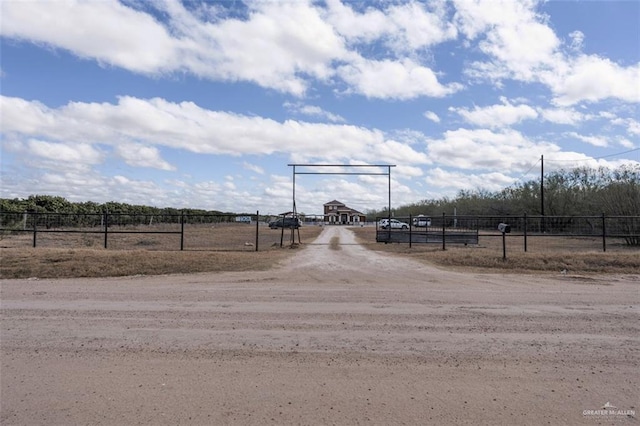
(336, 334)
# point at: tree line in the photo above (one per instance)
(577, 192)
(56, 204)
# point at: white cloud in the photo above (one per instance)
(279, 42)
(357, 27)
(313, 111)
(452, 181)
(284, 46)
(577, 40)
(271, 48)
(138, 155)
(518, 44)
(634, 127)
(626, 143)
(485, 149)
(403, 79)
(156, 122)
(521, 46)
(496, 116)
(253, 167)
(415, 27)
(591, 79)
(106, 31)
(68, 153)
(403, 27)
(592, 140)
(562, 115)
(430, 115)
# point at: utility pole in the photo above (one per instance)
(542, 192)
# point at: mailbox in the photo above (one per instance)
(504, 228)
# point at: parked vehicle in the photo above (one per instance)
(393, 223)
(287, 222)
(422, 221)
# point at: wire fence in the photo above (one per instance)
(224, 232)
(254, 232)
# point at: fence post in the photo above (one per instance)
(35, 227)
(604, 234)
(525, 232)
(181, 230)
(106, 227)
(282, 232)
(410, 229)
(257, 227)
(443, 232)
(504, 245)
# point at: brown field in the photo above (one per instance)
(231, 247)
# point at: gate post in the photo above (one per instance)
(34, 215)
(106, 227)
(257, 227)
(182, 230)
(604, 234)
(525, 232)
(443, 232)
(410, 229)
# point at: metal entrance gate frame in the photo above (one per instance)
(346, 166)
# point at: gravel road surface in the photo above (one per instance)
(331, 336)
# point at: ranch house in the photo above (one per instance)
(336, 212)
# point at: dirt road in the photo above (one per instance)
(332, 336)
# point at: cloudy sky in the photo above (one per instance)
(204, 104)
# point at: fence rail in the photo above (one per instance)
(250, 232)
(455, 229)
(108, 226)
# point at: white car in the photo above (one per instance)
(422, 221)
(395, 224)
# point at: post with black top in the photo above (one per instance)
(282, 232)
(106, 227)
(257, 227)
(505, 229)
(182, 230)
(443, 232)
(35, 228)
(525, 232)
(604, 234)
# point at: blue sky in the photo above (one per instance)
(203, 104)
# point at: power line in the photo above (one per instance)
(531, 168)
(596, 158)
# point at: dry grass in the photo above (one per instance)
(229, 248)
(207, 249)
(544, 254)
(66, 263)
(210, 237)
